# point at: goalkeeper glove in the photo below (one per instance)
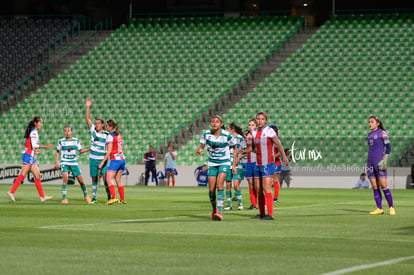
(382, 165)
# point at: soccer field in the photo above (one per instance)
(169, 231)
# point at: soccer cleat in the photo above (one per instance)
(112, 201)
(218, 216)
(228, 208)
(258, 216)
(213, 214)
(275, 200)
(267, 218)
(377, 212)
(240, 207)
(93, 201)
(45, 198)
(11, 196)
(122, 202)
(88, 199)
(392, 211)
(65, 201)
(252, 207)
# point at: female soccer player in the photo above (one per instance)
(278, 168)
(237, 132)
(218, 143)
(264, 139)
(68, 147)
(377, 164)
(250, 165)
(97, 152)
(170, 166)
(117, 162)
(31, 147)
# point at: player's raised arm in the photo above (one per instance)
(88, 112)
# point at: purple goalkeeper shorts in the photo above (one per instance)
(373, 171)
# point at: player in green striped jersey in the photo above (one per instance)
(218, 143)
(97, 152)
(68, 147)
(237, 132)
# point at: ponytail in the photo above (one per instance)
(31, 125)
(237, 129)
(377, 119)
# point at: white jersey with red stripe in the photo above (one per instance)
(116, 140)
(32, 142)
(251, 157)
(264, 145)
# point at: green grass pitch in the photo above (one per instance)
(169, 231)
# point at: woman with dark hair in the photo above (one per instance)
(31, 147)
(377, 164)
(67, 148)
(97, 152)
(117, 162)
(218, 143)
(264, 139)
(237, 133)
(251, 164)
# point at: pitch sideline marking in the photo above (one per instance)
(369, 266)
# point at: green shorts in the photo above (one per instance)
(74, 168)
(241, 172)
(94, 171)
(229, 175)
(213, 171)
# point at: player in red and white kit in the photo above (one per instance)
(31, 147)
(264, 139)
(117, 162)
(250, 166)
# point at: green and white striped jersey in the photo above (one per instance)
(98, 144)
(218, 148)
(240, 145)
(68, 149)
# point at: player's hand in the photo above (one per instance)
(198, 153)
(382, 165)
(56, 166)
(100, 165)
(234, 170)
(37, 151)
(88, 102)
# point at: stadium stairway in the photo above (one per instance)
(323, 94)
(244, 87)
(190, 138)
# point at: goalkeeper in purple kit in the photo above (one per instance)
(377, 164)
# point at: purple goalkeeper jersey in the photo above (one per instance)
(376, 141)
